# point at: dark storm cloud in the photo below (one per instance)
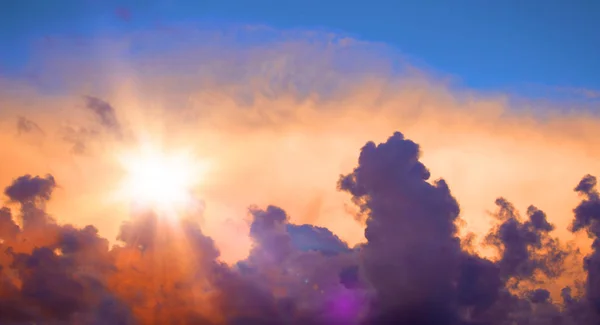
(411, 270)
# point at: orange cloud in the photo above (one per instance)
(281, 120)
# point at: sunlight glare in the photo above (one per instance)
(159, 180)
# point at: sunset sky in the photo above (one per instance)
(205, 110)
(515, 46)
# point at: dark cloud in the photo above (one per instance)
(313, 238)
(61, 270)
(104, 112)
(25, 125)
(587, 216)
(525, 247)
(410, 231)
(412, 269)
(539, 296)
(28, 189)
(350, 277)
(8, 228)
(478, 284)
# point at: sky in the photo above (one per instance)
(524, 47)
(221, 163)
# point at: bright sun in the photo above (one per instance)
(159, 180)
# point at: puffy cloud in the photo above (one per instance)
(525, 246)
(313, 238)
(587, 216)
(30, 189)
(410, 270)
(51, 273)
(410, 232)
(286, 115)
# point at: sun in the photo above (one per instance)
(159, 180)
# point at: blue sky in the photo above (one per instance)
(523, 45)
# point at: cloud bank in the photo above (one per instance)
(282, 117)
(412, 268)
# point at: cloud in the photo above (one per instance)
(525, 247)
(29, 189)
(540, 296)
(25, 125)
(312, 238)
(587, 214)
(406, 214)
(283, 114)
(51, 263)
(69, 274)
(104, 112)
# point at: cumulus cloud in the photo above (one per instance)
(587, 214)
(410, 270)
(31, 189)
(283, 117)
(51, 273)
(524, 246)
(406, 214)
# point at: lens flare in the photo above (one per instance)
(161, 181)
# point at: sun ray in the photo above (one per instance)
(162, 181)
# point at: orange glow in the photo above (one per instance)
(161, 181)
(289, 149)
